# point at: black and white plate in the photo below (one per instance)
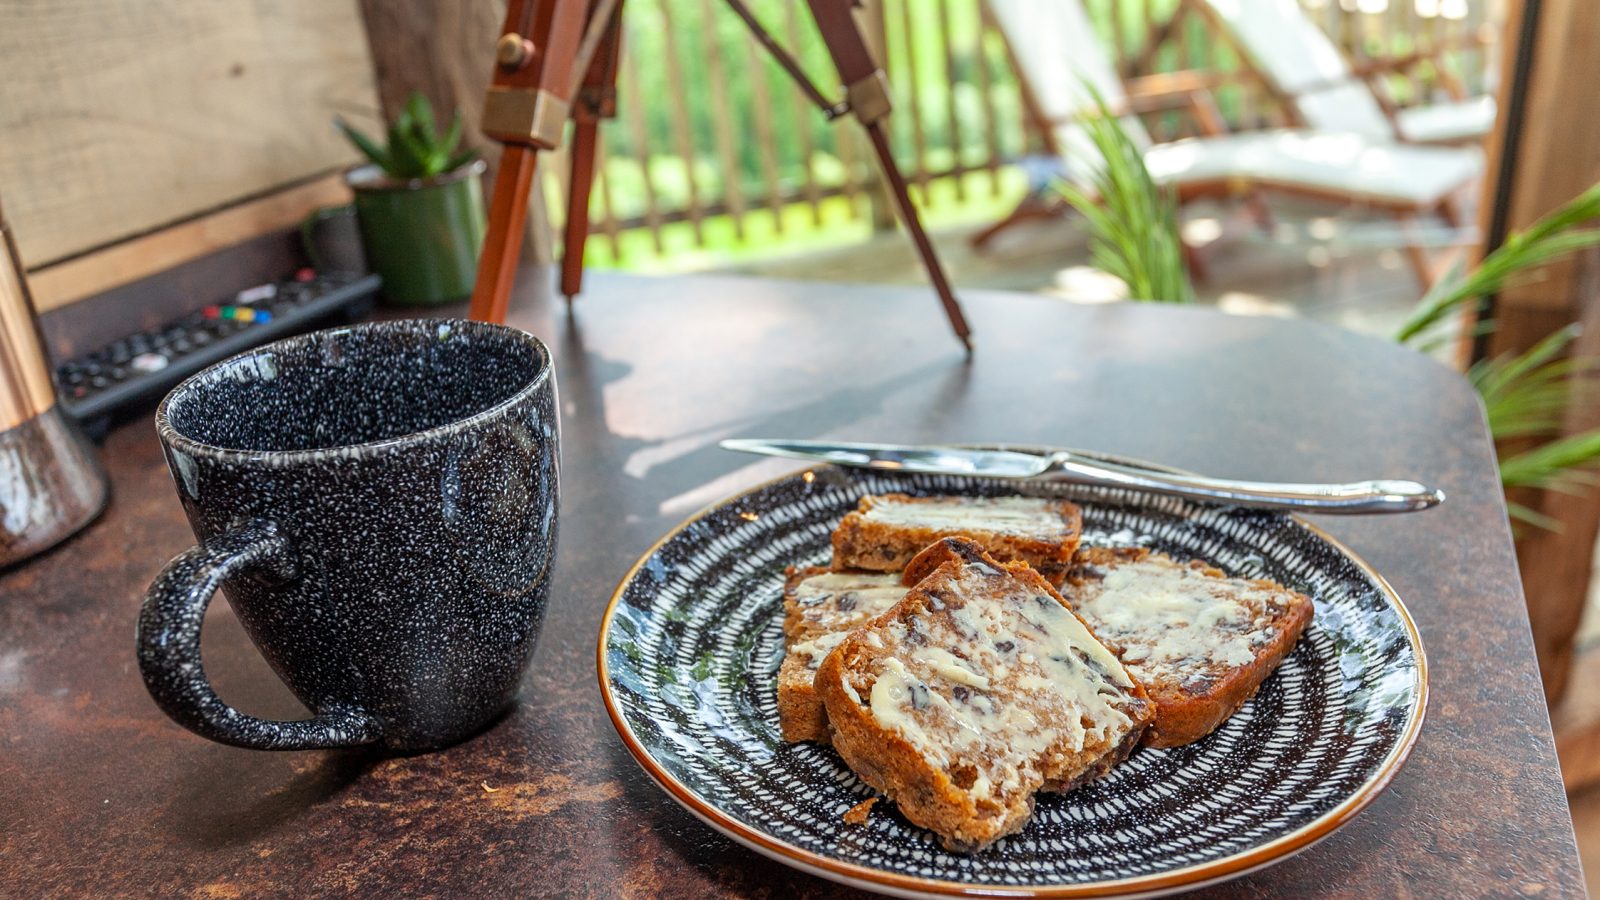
(691, 643)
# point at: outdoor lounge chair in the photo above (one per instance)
(1301, 67)
(1056, 54)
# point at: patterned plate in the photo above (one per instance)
(689, 653)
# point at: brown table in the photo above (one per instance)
(100, 794)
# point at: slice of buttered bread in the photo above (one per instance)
(887, 530)
(977, 690)
(1200, 642)
(819, 608)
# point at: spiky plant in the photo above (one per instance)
(1133, 234)
(1133, 222)
(1526, 395)
(416, 149)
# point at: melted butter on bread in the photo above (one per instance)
(1026, 516)
(1165, 614)
(1023, 652)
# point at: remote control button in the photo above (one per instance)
(259, 292)
(149, 362)
(99, 381)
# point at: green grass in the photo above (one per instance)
(800, 234)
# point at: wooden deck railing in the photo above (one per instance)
(715, 149)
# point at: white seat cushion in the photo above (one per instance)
(1346, 165)
(1448, 123)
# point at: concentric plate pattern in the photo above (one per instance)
(691, 645)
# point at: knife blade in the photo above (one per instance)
(1355, 498)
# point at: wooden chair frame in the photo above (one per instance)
(1191, 90)
(1370, 71)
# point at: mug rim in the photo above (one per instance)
(174, 439)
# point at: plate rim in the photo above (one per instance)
(857, 875)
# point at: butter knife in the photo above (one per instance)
(1356, 498)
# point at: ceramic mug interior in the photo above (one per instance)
(351, 386)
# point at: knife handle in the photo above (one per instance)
(1355, 498)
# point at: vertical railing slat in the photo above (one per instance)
(682, 130)
(913, 94)
(632, 104)
(952, 108)
(608, 210)
(804, 114)
(756, 71)
(991, 124)
(722, 120)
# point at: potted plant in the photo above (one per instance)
(420, 205)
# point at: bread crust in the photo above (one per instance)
(862, 543)
(1188, 707)
(801, 716)
(943, 796)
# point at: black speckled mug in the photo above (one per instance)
(379, 504)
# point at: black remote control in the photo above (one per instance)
(131, 375)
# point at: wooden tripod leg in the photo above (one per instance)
(867, 93)
(508, 215)
(575, 234)
(919, 236)
(524, 110)
(596, 100)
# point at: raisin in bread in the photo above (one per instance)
(887, 530)
(1200, 642)
(819, 608)
(977, 690)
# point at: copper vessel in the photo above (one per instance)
(51, 483)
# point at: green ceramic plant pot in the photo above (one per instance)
(421, 235)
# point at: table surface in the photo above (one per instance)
(100, 793)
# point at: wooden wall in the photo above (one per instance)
(446, 51)
(120, 117)
(1555, 157)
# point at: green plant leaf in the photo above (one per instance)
(1530, 516)
(1546, 240)
(410, 158)
(1551, 463)
(1500, 374)
(420, 112)
(452, 138)
(368, 147)
(1132, 222)
(461, 159)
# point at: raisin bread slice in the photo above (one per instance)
(977, 690)
(1200, 642)
(887, 530)
(819, 608)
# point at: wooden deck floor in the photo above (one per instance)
(1342, 268)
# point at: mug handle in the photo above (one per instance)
(169, 650)
(308, 237)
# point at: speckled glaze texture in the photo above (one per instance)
(378, 504)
